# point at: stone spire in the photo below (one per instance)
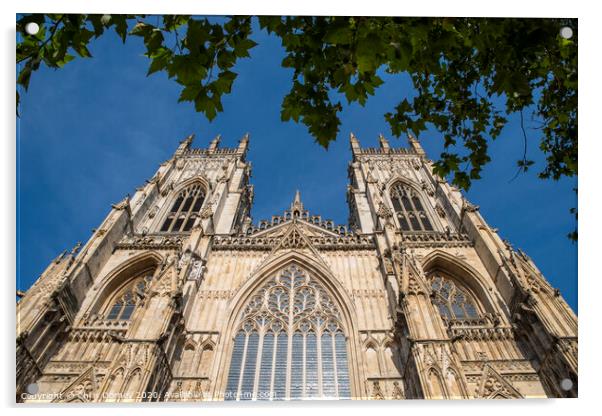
(297, 205)
(243, 144)
(214, 143)
(355, 143)
(415, 145)
(384, 143)
(184, 145)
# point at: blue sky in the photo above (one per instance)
(95, 130)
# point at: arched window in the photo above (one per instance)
(184, 210)
(452, 301)
(125, 302)
(290, 343)
(409, 209)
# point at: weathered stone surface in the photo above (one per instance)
(146, 311)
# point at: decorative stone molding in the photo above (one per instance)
(502, 366)
(217, 294)
(377, 393)
(434, 240)
(354, 242)
(384, 211)
(376, 276)
(495, 386)
(123, 204)
(293, 240)
(150, 242)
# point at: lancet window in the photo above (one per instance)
(409, 209)
(185, 210)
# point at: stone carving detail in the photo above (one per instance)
(384, 211)
(294, 240)
(82, 389)
(428, 189)
(388, 263)
(436, 240)
(184, 259)
(397, 393)
(196, 271)
(470, 207)
(123, 204)
(493, 386)
(150, 242)
(414, 288)
(167, 189)
(359, 242)
(377, 393)
(153, 211)
(370, 178)
(166, 282)
(184, 312)
(207, 212)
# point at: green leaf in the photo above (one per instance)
(121, 26)
(341, 35)
(190, 93)
(241, 48)
(160, 60)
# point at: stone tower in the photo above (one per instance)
(179, 296)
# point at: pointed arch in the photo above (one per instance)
(413, 210)
(464, 275)
(317, 268)
(133, 377)
(82, 388)
(118, 279)
(205, 360)
(198, 179)
(370, 341)
(185, 366)
(494, 386)
(190, 343)
(455, 384)
(436, 385)
(113, 385)
(324, 278)
(183, 205)
(208, 344)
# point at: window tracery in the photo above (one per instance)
(409, 209)
(126, 301)
(290, 343)
(185, 210)
(452, 301)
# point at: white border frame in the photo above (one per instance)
(589, 199)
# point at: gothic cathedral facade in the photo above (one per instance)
(179, 296)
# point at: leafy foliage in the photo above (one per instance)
(200, 61)
(462, 70)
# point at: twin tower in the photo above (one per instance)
(179, 295)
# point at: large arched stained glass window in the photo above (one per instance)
(409, 209)
(452, 301)
(127, 299)
(290, 343)
(184, 210)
